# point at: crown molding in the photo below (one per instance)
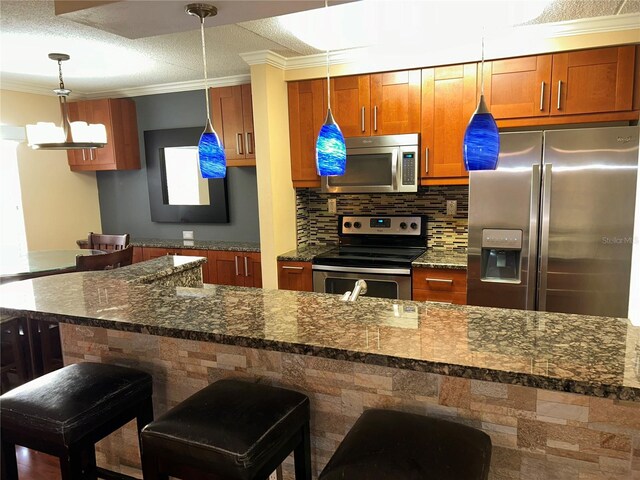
(584, 26)
(23, 87)
(570, 28)
(136, 91)
(265, 57)
(173, 87)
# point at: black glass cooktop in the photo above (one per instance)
(361, 256)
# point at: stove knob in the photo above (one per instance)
(357, 224)
(414, 226)
(403, 225)
(347, 224)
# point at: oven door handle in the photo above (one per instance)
(379, 271)
(394, 169)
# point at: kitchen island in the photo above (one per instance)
(558, 394)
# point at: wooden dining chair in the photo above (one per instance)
(107, 242)
(105, 261)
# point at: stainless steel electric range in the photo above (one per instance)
(377, 249)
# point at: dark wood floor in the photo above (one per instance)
(34, 465)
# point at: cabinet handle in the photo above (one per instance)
(375, 118)
(542, 96)
(246, 267)
(236, 262)
(559, 92)
(362, 118)
(249, 137)
(288, 267)
(84, 159)
(426, 160)
(440, 280)
(239, 144)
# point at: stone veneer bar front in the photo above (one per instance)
(558, 394)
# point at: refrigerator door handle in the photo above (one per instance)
(544, 236)
(532, 264)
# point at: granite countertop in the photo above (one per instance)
(152, 270)
(595, 356)
(304, 253)
(431, 258)
(194, 244)
(197, 244)
(442, 259)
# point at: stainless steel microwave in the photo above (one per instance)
(387, 164)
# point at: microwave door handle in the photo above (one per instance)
(394, 169)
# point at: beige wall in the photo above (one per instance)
(277, 200)
(59, 206)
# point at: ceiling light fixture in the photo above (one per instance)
(481, 144)
(331, 151)
(71, 135)
(211, 156)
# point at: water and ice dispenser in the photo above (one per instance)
(501, 250)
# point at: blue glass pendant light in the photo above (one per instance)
(481, 144)
(331, 151)
(211, 156)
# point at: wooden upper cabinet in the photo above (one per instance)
(518, 87)
(448, 101)
(593, 81)
(395, 102)
(350, 104)
(232, 117)
(307, 112)
(122, 151)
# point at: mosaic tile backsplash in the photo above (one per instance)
(444, 232)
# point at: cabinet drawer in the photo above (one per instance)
(440, 280)
(420, 295)
(295, 276)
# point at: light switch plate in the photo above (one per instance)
(452, 207)
(187, 234)
(331, 205)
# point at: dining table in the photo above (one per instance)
(38, 263)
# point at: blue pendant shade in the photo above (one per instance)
(481, 144)
(213, 161)
(331, 151)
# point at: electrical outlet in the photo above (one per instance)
(273, 476)
(187, 234)
(452, 207)
(331, 205)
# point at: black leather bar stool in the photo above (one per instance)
(385, 444)
(231, 429)
(65, 412)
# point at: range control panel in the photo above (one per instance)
(383, 225)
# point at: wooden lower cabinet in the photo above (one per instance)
(137, 255)
(440, 285)
(241, 269)
(295, 276)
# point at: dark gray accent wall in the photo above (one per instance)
(124, 196)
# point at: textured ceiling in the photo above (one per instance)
(104, 62)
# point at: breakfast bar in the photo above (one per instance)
(558, 394)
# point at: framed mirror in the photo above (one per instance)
(177, 192)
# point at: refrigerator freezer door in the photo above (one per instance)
(589, 188)
(505, 199)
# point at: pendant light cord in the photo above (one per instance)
(482, 65)
(60, 74)
(204, 61)
(326, 6)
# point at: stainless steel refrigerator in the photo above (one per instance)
(552, 227)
